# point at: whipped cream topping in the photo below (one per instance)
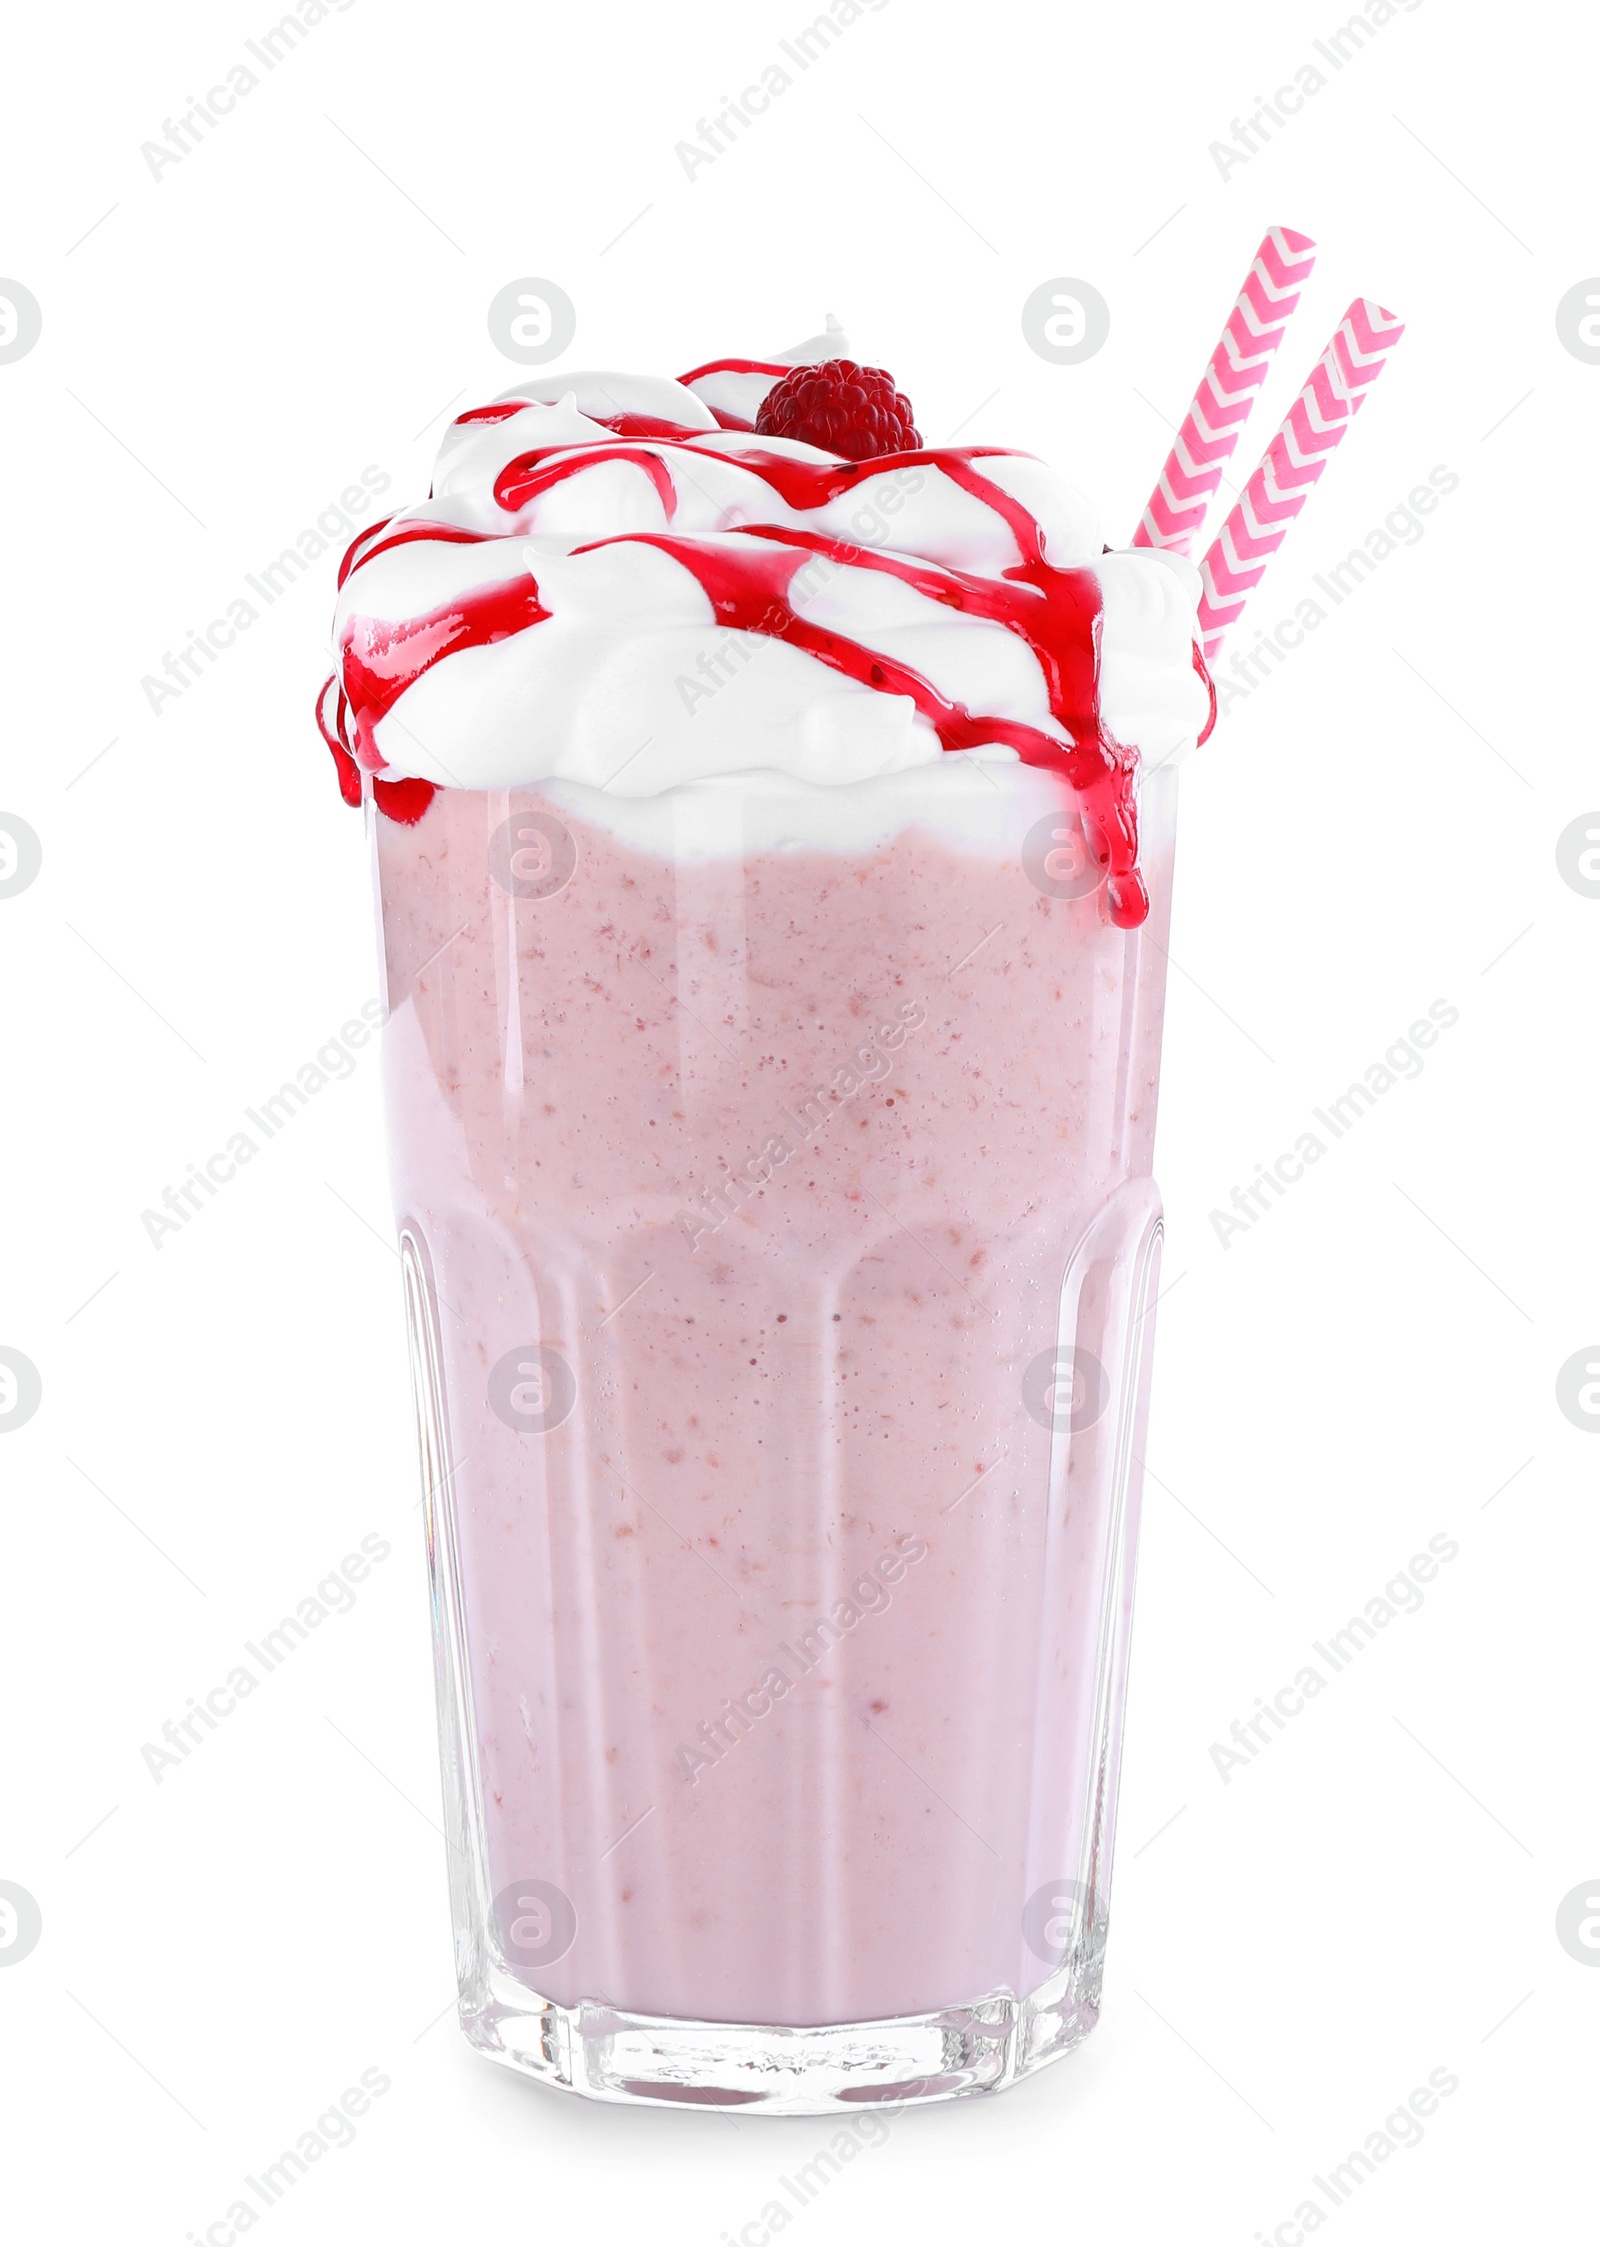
(616, 583)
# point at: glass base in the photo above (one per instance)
(642, 2059)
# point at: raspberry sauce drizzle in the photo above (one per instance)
(645, 425)
(777, 368)
(1055, 611)
(404, 801)
(531, 473)
(381, 660)
(774, 367)
(443, 534)
(620, 425)
(1058, 619)
(1210, 685)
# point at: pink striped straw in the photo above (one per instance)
(1227, 391)
(1236, 560)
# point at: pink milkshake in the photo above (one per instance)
(773, 843)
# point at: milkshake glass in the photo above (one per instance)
(772, 1167)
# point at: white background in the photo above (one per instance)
(1374, 1363)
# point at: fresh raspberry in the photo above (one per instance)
(846, 409)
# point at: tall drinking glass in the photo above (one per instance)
(780, 1245)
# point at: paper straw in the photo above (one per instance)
(1227, 391)
(1339, 382)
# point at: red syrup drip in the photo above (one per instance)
(521, 480)
(774, 367)
(620, 425)
(1211, 689)
(403, 801)
(349, 561)
(646, 425)
(1056, 612)
(804, 484)
(442, 534)
(344, 764)
(531, 473)
(1059, 619)
(381, 660)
